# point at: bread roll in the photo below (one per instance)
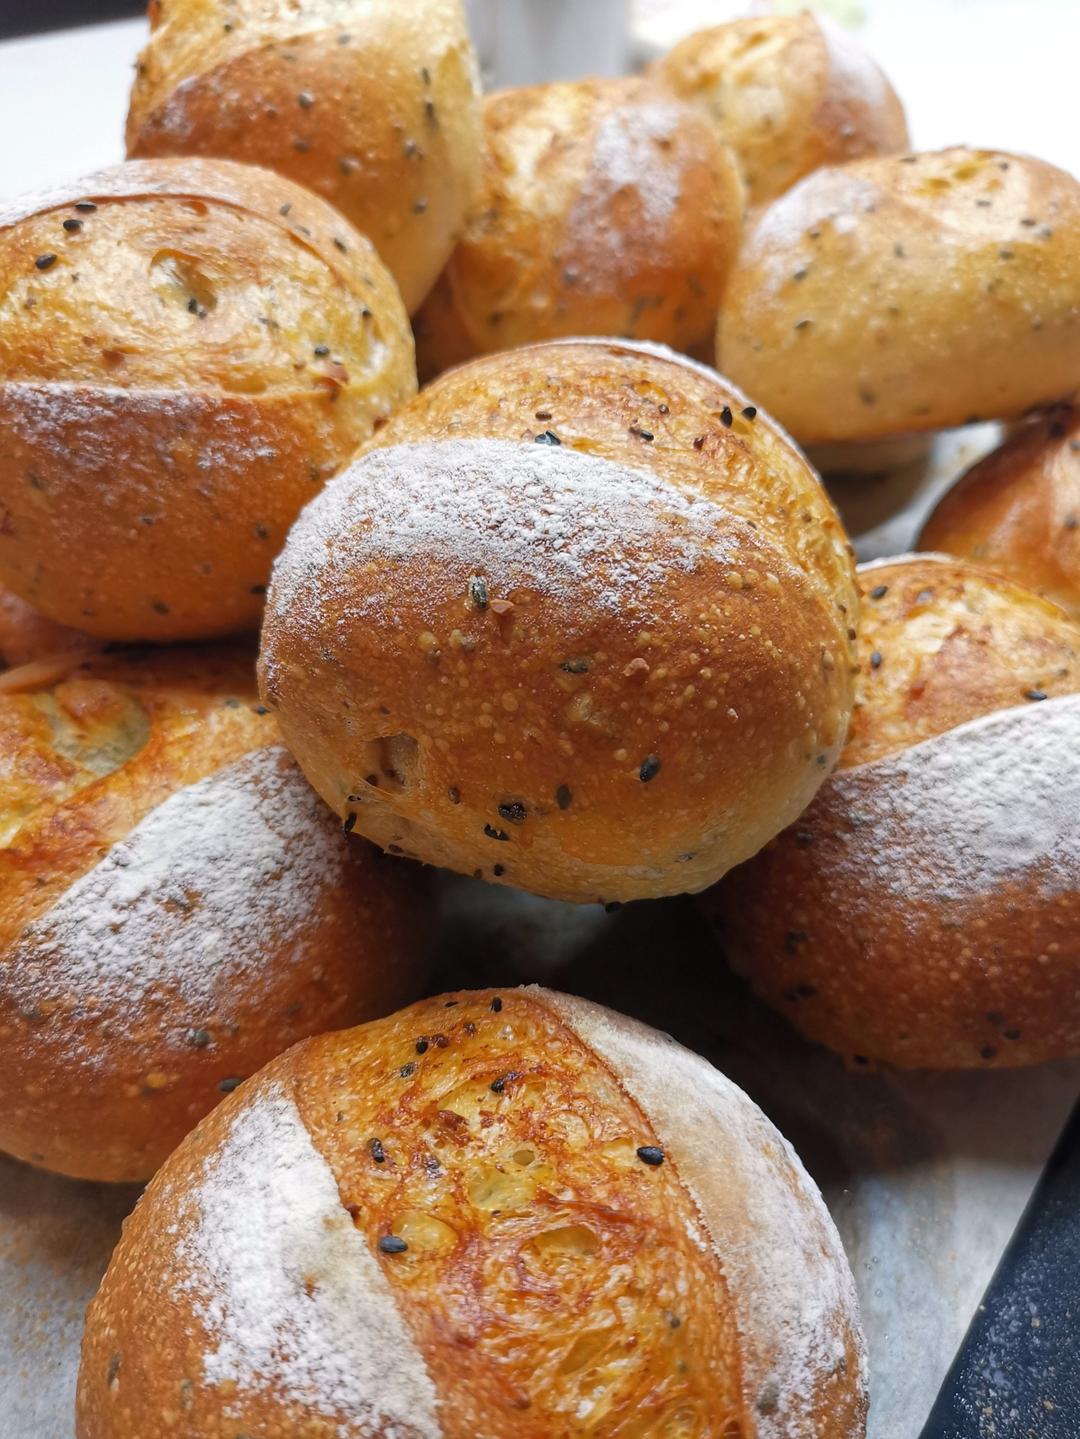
(1018, 510)
(25, 635)
(187, 350)
(925, 910)
(372, 104)
(909, 293)
(788, 93)
(607, 208)
(513, 1214)
(579, 621)
(176, 906)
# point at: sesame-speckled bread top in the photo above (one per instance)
(908, 293)
(498, 1189)
(580, 621)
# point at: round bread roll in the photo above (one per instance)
(513, 1214)
(925, 910)
(372, 104)
(187, 350)
(176, 906)
(579, 622)
(608, 208)
(788, 93)
(909, 293)
(26, 635)
(1018, 510)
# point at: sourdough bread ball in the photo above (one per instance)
(372, 104)
(176, 906)
(1018, 510)
(188, 349)
(788, 93)
(579, 621)
(607, 208)
(909, 293)
(925, 910)
(492, 1213)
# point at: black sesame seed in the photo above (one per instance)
(513, 810)
(1034, 694)
(748, 412)
(422, 1046)
(875, 660)
(378, 1153)
(548, 437)
(699, 440)
(454, 794)
(640, 433)
(478, 592)
(498, 1085)
(284, 209)
(391, 1244)
(650, 768)
(197, 1038)
(407, 1070)
(228, 1085)
(305, 99)
(72, 225)
(349, 822)
(321, 350)
(726, 417)
(651, 1154)
(498, 870)
(45, 262)
(341, 245)
(879, 592)
(496, 1004)
(576, 667)
(493, 833)
(85, 207)
(563, 797)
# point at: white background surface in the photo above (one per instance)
(926, 1176)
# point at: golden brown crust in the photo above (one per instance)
(906, 294)
(1018, 510)
(25, 635)
(924, 910)
(373, 106)
(607, 208)
(155, 450)
(144, 799)
(596, 742)
(550, 1277)
(942, 642)
(788, 93)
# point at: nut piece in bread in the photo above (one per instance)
(26, 635)
(579, 621)
(908, 293)
(925, 910)
(188, 348)
(788, 93)
(608, 208)
(513, 1214)
(176, 906)
(1018, 510)
(372, 104)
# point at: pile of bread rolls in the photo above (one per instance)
(579, 618)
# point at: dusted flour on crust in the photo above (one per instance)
(287, 1289)
(792, 1289)
(991, 802)
(186, 902)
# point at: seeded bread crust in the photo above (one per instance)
(537, 1216)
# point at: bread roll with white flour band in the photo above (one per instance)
(925, 910)
(176, 905)
(580, 620)
(510, 1214)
